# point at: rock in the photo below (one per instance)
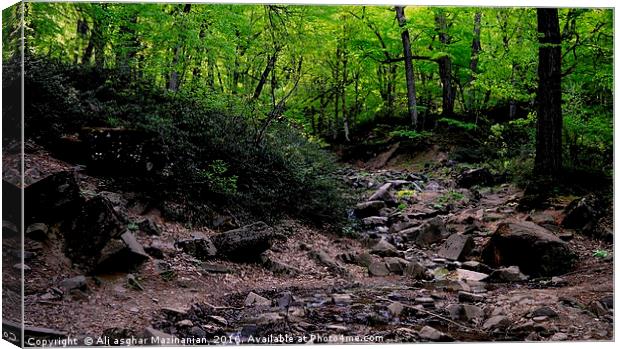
(544, 311)
(158, 337)
(477, 266)
(378, 268)
(566, 236)
(558, 337)
(531, 247)
(540, 318)
(598, 309)
(52, 199)
(21, 266)
(246, 243)
(384, 249)
(469, 178)
(541, 218)
(134, 283)
(428, 233)
(185, 323)
(364, 259)
(465, 312)
(325, 259)
(402, 225)
(497, 322)
(509, 274)
(197, 332)
(368, 208)
(341, 298)
(383, 194)
(468, 297)
(396, 308)
(415, 271)
(374, 221)
(396, 265)
(37, 231)
(469, 275)
(430, 334)
(558, 281)
(88, 234)
(269, 319)
(457, 247)
(200, 247)
(149, 227)
(285, 300)
(215, 268)
(121, 254)
(427, 302)
(77, 282)
(276, 266)
(582, 211)
(254, 299)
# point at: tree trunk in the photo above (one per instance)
(445, 67)
(549, 97)
(473, 63)
(173, 81)
(271, 62)
(411, 102)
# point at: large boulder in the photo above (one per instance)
(383, 194)
(457, 247)
(368, 208)
(53, 199)
(469, 178)
(430, 232)
(581, 212)
(199, 246)
(246, 243)
(532, 248)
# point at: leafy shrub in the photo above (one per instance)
(212, 151)
(410, 134)
(458, 124)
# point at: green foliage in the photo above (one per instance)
(410, 134)
(450, 197)
(216, 178)
(458, 124)
(600, 254)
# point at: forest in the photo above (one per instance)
(318, 148)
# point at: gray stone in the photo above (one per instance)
(469, 275)
(21, 266)
(254, 299)
(246, 243)
(369, 208)
(374, 221)
(157, 337)
(148, 226)
(509, 274)
(396, 308)
(383, 194)
(430, 334)
(215, 268)
(77, 282)
(396, 265)
(544, 311)
(457, 247)
(341, 298)
(430, 232)
(200, 247)
(415, 271)
(384, 249)
(468, 297)
(532, 248)
(496, 322)
(378, 268)
(559, 336)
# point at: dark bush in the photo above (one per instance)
(212, 155)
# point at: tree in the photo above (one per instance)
(548, 160)
(445, 64)
(411, 102)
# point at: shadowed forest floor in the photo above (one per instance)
(318, 283)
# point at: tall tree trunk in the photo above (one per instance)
(411, 101)
(173, 81)
(271, 62)
(445, 66)
(473, 63)
(343, 94)
(549, 97)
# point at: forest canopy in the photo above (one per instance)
(337, 74)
